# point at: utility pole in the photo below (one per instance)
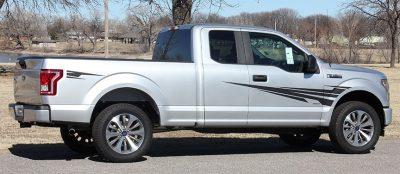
(275, 24)
(315, 32)
(106, 27)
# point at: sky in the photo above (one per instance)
(304, 7)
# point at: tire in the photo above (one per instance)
(301, 139)
(343, 129)
(122, 133)
(78, 141)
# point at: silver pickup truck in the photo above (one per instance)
(206, 78)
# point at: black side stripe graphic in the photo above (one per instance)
(312, 93)
(300, 94)
(77, 74)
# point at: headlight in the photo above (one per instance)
(385, 84)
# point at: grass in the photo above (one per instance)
(10, 132)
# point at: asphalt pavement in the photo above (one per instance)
(207, 155)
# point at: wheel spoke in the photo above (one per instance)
(110, 134)
(349, 120)
(359, 115)
(117, 122)
(366, 136)
(368, 123)
(356, 138)
(131, 121)
(139, 132)
(133, 146)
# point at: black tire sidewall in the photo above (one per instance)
(75, 145)
(336, 127)
(101, 123)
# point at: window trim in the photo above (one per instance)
(240, 48)
(249, 52)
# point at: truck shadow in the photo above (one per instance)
(167, 147)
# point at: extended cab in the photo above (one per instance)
(203, 77)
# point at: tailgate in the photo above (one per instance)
(26, 80)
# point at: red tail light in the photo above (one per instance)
(48, 81)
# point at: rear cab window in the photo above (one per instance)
(173, 46)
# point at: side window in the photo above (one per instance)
(173, 46)
(275, 51)
(223, 47)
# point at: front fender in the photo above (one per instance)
(355, 85)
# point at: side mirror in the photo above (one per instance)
(311, 66)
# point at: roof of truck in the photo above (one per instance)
(190, 26)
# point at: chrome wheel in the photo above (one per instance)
(125, 133)
(358, 128)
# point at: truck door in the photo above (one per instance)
(223, 64)
(281, 94)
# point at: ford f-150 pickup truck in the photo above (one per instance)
(206, 78)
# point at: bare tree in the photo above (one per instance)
(23, 25)
(354, 26)
(143, 19)
(182, 10)
(57, 28)
(77, 26)
(42, 5)
(383, 10)
(93, 28)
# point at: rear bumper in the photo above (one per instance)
(30, 113)
(388, 116)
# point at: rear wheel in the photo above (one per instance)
(301, 139)
(355, 127)
(80, 141)
(122, 133)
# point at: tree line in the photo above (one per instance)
(360, 19)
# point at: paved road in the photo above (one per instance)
(207, 155)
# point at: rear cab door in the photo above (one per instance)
(224, 63)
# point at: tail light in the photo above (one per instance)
(48, 81)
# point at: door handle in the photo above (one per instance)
(260, 78)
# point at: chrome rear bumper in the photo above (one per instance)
(30, 113)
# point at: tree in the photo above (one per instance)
(93, 28)
(41, 5)
(323, 31)
(57, 28)
(354, 26)
(144, 19)
(182, 10)
(387, 11)
(23, 25)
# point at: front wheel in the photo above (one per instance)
(122, 133)
(301, 139)
(355, 127)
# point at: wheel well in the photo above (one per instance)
(366, 97)
(128, 95)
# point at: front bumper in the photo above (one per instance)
(388, 116)
(30, 113)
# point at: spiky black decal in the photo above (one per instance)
(300, 94)
(77, 74)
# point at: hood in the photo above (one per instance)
(356, 69)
